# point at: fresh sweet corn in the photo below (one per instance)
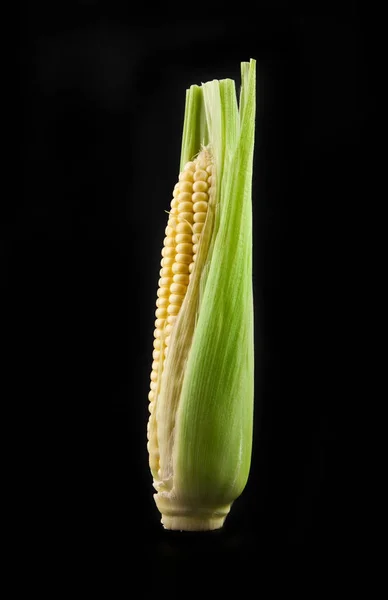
(202, 376)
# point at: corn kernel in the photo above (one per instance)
(200, 175)
(200, 206)
(185, 186)
(200, 186)
(199, 197)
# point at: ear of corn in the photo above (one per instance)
(201, 397)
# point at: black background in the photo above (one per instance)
(103, 98)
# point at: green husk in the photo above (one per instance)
(204, 408)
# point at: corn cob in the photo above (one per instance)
(201, 391)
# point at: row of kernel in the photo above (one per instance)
(165, 273)
(200, 198)
(183, 247)
(164, 282)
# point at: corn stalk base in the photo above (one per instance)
(180, 518)
(192, 523)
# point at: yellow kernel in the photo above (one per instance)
(162, 302)
(191, 267)
(194, 258)
(197, 227)
(165, 272)
(169, 231)
(168, 251)
(154, 451)
(210, 181)
(157, 344)
(171, 319)
(180, 268)
(178, 288)
(200, 175)
(157, 333)
(183, 238)
(181, 278)
(195, 248)
(185, 207)
(189, 166)
(195, 238)
(176, 299)
(183, 258)
(201, 164)
(200, 206)
(209, 169)
(187, 216)
(183, 228)
(199, 217)
(161, 312)
(155, 365)
(172, 222)
(173, 203)
(184, 248)
(167, 340)
(151, 396)
(159, 323)
(169, 328)
(156, 354)
(200, 186)
(162, 291)
(164, 281)
(154, 385)
(167, 261)
(185, 186)
(186, 176)
(168, 241)
(199, 197)
(184, 197)
(173, 309)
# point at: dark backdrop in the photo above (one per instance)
(103, 99)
